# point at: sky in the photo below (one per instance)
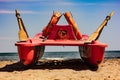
(88, 14)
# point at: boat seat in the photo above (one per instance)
(62, 32)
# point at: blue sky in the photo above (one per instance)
(88, 14)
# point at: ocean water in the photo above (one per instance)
(65, 55)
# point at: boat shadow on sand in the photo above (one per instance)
(75, 64)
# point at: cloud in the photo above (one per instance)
(3, 11)
(43, 2)
(7, 12)
(8, 38)
(19, 0)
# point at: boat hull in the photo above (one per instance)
(30, 54)
(92, 54)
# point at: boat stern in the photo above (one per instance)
(93, 54)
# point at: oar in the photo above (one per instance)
(70, 20)
(23, 36)
(54, 20)
(97, 33)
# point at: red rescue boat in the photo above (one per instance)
(31, 49)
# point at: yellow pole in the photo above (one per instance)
(97, 33)
(71, 21)
(23, 36)
(54, 20)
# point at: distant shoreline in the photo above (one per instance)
(67, 51)
(65, 55)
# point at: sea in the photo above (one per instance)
(58, 55)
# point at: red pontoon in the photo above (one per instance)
(31, 49)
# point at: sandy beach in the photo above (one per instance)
(60, 70)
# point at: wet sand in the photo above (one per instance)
(73, 69)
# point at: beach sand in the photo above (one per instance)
(73, 69)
